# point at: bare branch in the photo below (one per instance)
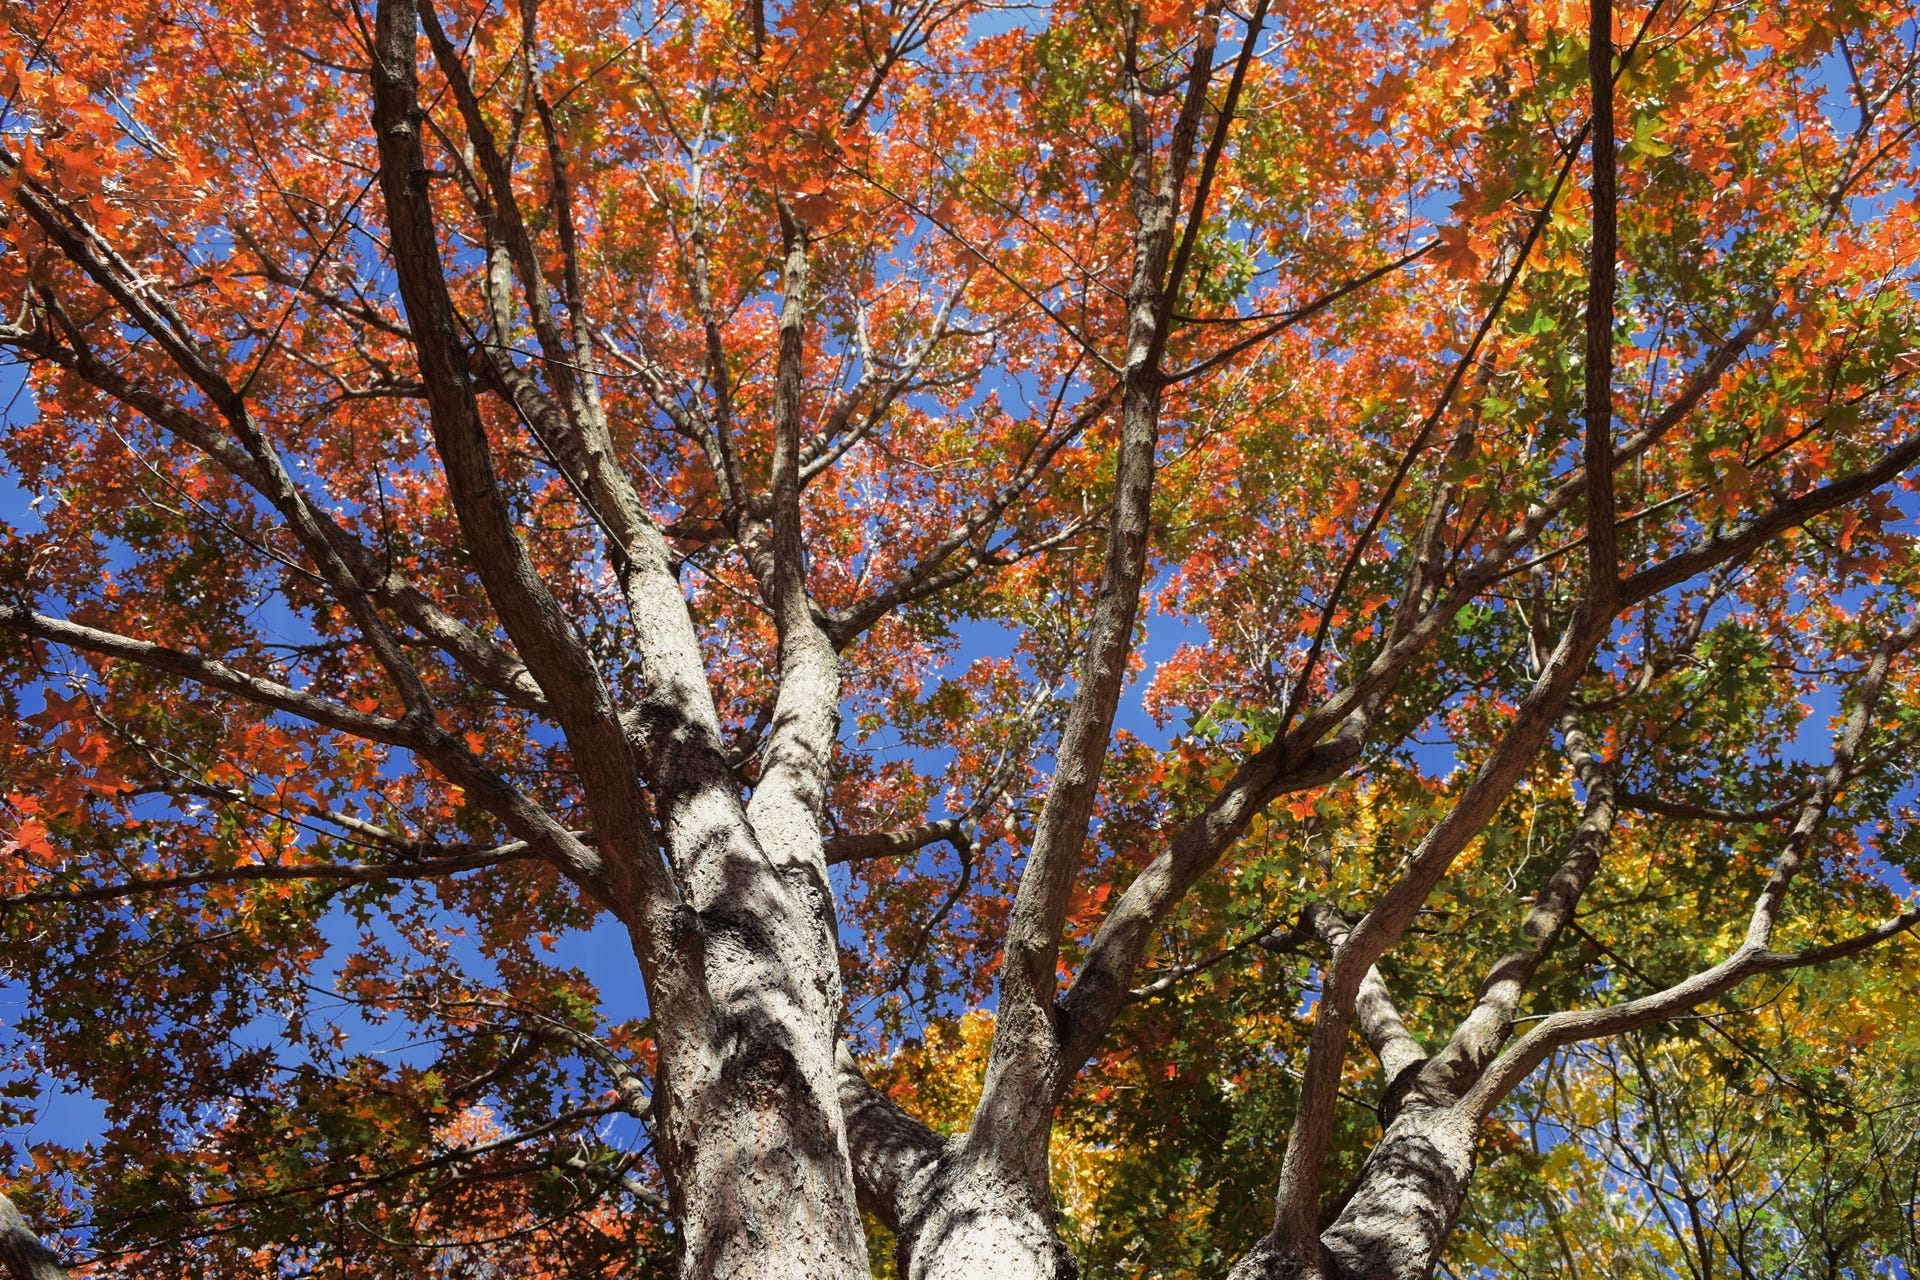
(344, 873)
(831, 443)
(1753, 531)
(1597, 367)
(214, 675)
(1305, 311)
(1374, 1009)
(1892, 927)
(440, 748)
(1480, 1035)
(1023, 1068)
(624, 1180)
(887, 844)
(552, 649)
(1267, 938)
(1639, 802)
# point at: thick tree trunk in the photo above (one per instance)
(761, 1183)
(1269, 1261)
(975, 1224)
(752, 1136)
(955, 1215)
(1396, 1222)
(737, 946)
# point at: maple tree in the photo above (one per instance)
(699, 474)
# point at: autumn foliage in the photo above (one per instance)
(1217, 592)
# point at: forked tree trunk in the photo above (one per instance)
(740, 957)
(1408, 1196)
(954, 1215)
(752, 1136)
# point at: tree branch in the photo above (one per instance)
(1753, 531)
(1374, 1009)
(887, 844)
(480, 659)
(214, 675)
(895, 1157)
(1480, 1035)
(1309, 755)
(933, 571)
(548, 643)
(797, 756)
(1023, 1068)
(1752, 955)
(1302, 1167)
(1267, 938)
(346, 873)
(88, 250)
(1597, 366)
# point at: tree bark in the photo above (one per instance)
(1403, 1207)
(736, 944)
(976, 1222)
(21, 1252)
(1395, 1222)
(954, 1215)
(759, 1169)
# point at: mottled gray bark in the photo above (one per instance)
(1027, 1069)
(770, 1119)
(1403, 1206)
(1397, 1219)
(976, 1223)
(21, 1252)
(953, 1213)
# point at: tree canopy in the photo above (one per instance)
(948, 639)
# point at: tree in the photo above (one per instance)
(499, 469)
(1771, 1146)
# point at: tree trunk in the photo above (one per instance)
(762, 1189)
(1409, 1193)
(1397, 1220)
(751, 1133)
(1269, 1261)
(976, 1224)
(21, 1252)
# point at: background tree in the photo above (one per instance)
(1776, 1143)
(504, 478)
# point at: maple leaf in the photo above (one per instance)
(1455, 251)
(59, 710)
